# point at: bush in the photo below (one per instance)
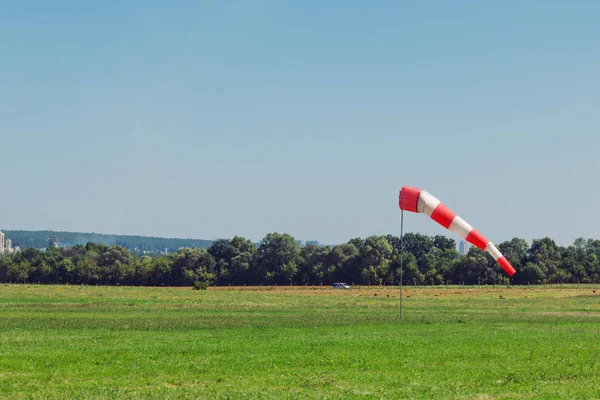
(200, 285)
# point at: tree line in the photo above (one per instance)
(280, 260)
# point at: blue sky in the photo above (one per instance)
(211, 119)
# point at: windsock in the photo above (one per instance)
(420, 201)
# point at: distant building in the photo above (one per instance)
(463, 247)
(1, 243)
(52, 242)
(8, 249)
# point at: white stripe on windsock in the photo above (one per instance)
(460, 227)
(493, 250)
(427, 203)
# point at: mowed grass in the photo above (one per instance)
(59, 342)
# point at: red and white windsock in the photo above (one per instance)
(420, 201)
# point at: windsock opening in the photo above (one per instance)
(409, 198)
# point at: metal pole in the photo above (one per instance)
(401, 257)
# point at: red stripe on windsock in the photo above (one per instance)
(443, 215)
(477, 239)
(506, 266)
(409, 197)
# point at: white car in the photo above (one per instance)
(340, 285)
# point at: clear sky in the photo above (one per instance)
(208, 119)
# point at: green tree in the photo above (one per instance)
(573, 261)
(6, 264)
(444, 243)
(418, 244)
(19, 272)
(241, 265)
(144, 269)
(116, 265)
(593, 267)
(531, 273)
(162, 271)
(546, 254)
(358, 243)
(376, 259)
(65, 271)
(38, 269)
(234, 260)
(410, 270)
(222, 251)
(191, 265)
(342, 263)
(87, 272)
(277, 258)
(431, 267)
(312, 264)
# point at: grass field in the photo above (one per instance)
(59, 342)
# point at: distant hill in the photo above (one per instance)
(136, 244)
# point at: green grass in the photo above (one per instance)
(59, 342)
